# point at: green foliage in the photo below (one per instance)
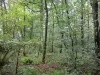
(27, 71)
(36, 59)
(26, 60)
(5, 52)
(31, 60)
(61, 58)
(66, 18)
(56, 72)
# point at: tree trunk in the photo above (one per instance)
(46, 28)
(24, 30)
(17, 63)
(31, 30)
(82, 25)
(96, 35)
(61, 46)
(88, 28)
(53, 35)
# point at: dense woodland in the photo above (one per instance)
(49, 37)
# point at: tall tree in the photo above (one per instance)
(53, 35)
(46, 28)
(88, 38)
(24, 30)
(82, 24)
(96, 34)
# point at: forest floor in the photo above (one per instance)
(53, 66)
(49, 68)
(46, 68)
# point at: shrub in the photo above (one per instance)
(26, 60)
(27, 71)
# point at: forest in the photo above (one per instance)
(49, 37)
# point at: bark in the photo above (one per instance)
(46, 28)
(53, 35)
(88, 27)
(82, 25)
(96, 35)
(31, 31)
(96, 26)
(61, 46)
(76, 43)
(76, 55)
(24, 30)
(17, 63)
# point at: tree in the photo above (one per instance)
(46, 28)
(96, 33)
(82, 24)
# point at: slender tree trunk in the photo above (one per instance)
(24, 52)
(31, 31)
(96, 35)
(96, 26)
(75, 66)
(88, 36)
(46, 28)
(61, 46)
(82, 25)
(76, 43)
(88, 28)
(17, 63)
(72, 42)
(53, 35)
